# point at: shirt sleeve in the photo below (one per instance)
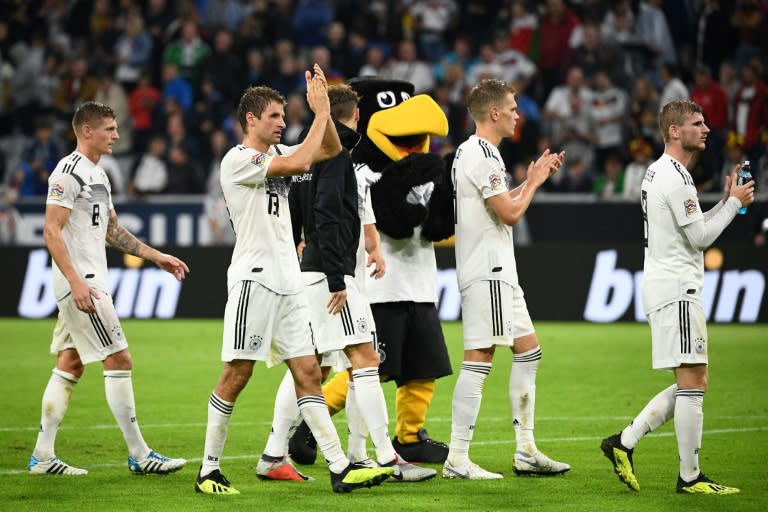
(684, 204)
(249, 167)
(368, 216)
(489, 177)
(62, 190)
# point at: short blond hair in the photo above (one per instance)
(486, 94)
(674, 113)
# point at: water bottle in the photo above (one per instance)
(744, 176)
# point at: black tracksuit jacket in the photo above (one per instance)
(324, 209)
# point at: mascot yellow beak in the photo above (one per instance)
(405, 128)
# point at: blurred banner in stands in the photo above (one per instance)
(596, 282)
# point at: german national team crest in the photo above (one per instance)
(255, 342)
(362, 325)
(690, 207)
(699, 345)
(117, 333)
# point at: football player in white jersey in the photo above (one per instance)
(676, 232)
(494, 312)
(266, 317)
(79, 218)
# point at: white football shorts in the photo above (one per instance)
(94, 335)
(352, 326)
(494, 313)
(679, 335)
(261, 325)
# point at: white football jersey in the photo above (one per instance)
(82, 187)
(484, 249)
(258, 208)
(674, 269)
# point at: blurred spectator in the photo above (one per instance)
(729, 80)
(517, 67)
(289, 76)
(557, 24)
(176, 87)
(38, 160)
(408, 67)
(215, 206)
(644, 110)
(714, 103)
(714, 39)
(76, 87)
(189, 53)
(486, 67)
(28, 62)
(254, 67)
(454, 111)
(177, 135)
(640, 151)
(223, 14)
(568, 118)
(296, 117)
(47, 83)
(734, 155)
(104, 32)
(322, 56)
(455, 80)
(750, 20)
(461, 55)
(522, 28)
(224, 69)
(653, 33)
(609, 110)
(184, 174)
(577, 177)
(347, 59)
(111, 93)
(610, 181)
(133, 51)
(478, 18)
(750, 115)
(673, 88)
(433, 20)
(158, 15)
(594, 54)
(143, 104)
(311, 19)
(150, 175)
(10, 219)
(114, 170)
(375, 62)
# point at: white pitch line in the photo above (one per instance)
(572, 439)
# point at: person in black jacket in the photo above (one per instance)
(325, 209)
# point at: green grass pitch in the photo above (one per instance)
(592, 380)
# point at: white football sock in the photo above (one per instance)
(373, 408)
(118, 387)
(315, 413)
(55, 403)
(689, 423)
(522, 397)
(467, 396)
(358, 432)
(656, 412)
(219, 413)
(286, 412)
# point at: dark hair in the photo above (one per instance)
(343, 100)
(255, 100)
(91, 112)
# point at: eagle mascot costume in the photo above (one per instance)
(412, 197)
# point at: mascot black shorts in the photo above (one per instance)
(410, 341)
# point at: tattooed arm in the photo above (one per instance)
(123, 240)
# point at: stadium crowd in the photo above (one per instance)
(591, 77)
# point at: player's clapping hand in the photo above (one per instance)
(172, 265)
(544, 167)
(317, 91)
